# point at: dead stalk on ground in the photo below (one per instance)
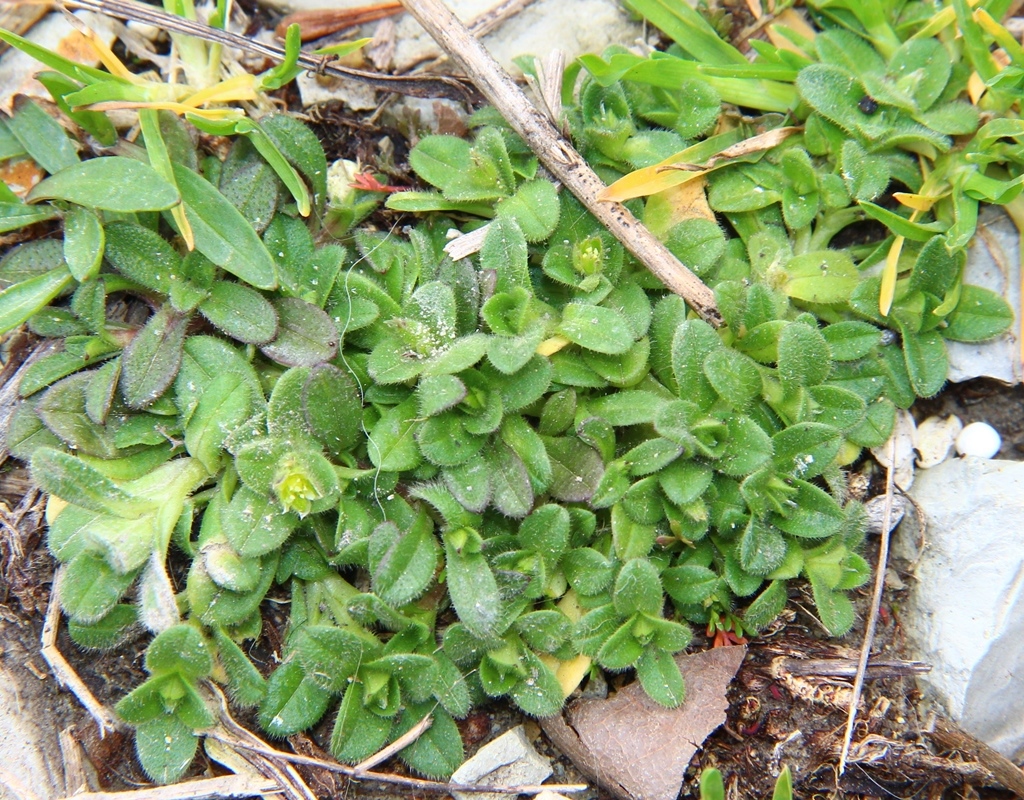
(62, 670)
(876, 603)
(561, 159)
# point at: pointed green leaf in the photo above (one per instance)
(62, 408)
(22, 300)
(660, 676)
(329, 656)
(470, 484)
(767, 606)
(402, 563)
(540, 693)
(927, 361)
(166, 747)
(761, 548)
(240, 312)
(74, 481)
(221, 232)
(690, 583)
(83, 243)
(306, 335)
(734, 376)
(391, 444)
(110, 183)
(980, 315)
(576, 468)
(151, 361)
(106, 633)
(504, 250)
(834, 608)
(358, 732)
(226, 404)
(89, 588)
(180, 649)
(14, 216)
(245, 685)
(692, 342)
(302, 149)
(638, 589)
(444, 440)
(534, 207)
(332, 408)
(294, 701)
(512, 493)
(249, 182)
(804, 356)
(471, 584)
(254, 524)
(603, 330)
(825, 276)
(814, 515)
(39, 134)
(438, 752)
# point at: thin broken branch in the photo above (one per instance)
(62, 671)
(558, 155)
(415, 86)
(847, 668)
(225, 786)
(247, 745)
(395, 780)
(403, 741)
(1003, 770)
(876, 604)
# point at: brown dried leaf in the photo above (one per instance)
(755, 144)
(637, 749)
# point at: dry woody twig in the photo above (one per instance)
(876, 604)
(561, 159)
(415, 86)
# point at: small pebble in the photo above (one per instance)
(978, 439)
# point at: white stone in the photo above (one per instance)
(315, 89)
(934, 439)
(979, 439)
(965, 610)
(510, 760)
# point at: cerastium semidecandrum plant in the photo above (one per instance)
(479, 478)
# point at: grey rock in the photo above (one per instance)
(965, 610)
(875, 510)
(510, 760)
(993, 262)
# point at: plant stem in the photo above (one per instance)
(802, 241)
(831, 223)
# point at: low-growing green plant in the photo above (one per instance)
(885, 94)
(472, 478)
